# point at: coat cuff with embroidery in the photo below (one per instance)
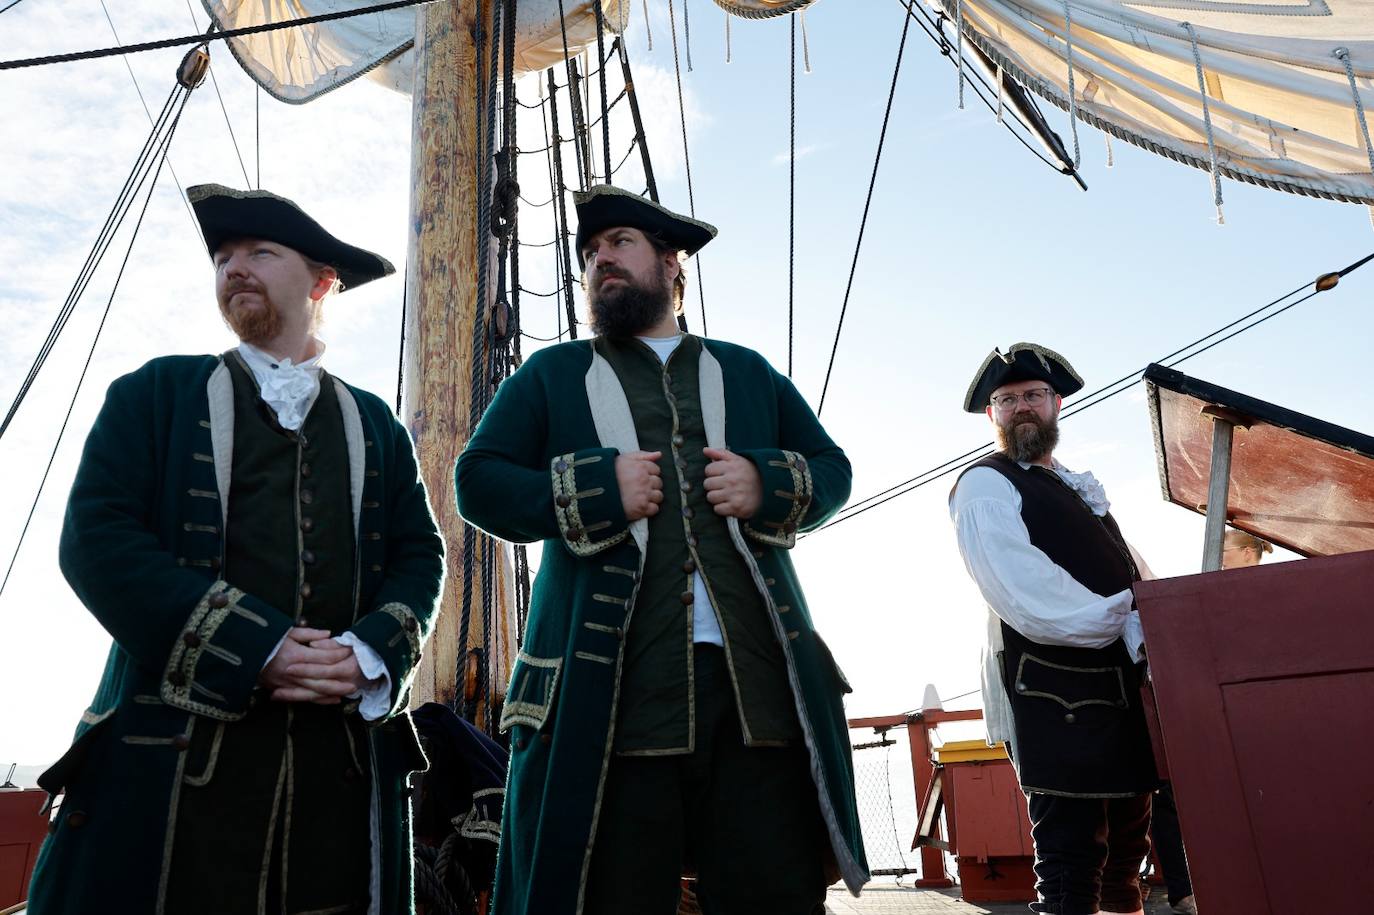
(216, 658)
(397, 635)
(786, 495)
(586, 500)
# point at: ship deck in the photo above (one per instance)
(885, 897)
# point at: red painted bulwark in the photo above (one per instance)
(22, 830)
(1264, 679)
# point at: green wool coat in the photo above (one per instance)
(541, 466)
(141, 545)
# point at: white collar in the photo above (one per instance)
(288, 388)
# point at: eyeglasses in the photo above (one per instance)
(1033, 398)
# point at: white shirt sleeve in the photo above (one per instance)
(1021, 584)
(376, 694)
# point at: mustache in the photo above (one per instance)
(611, 272)
(241, 286)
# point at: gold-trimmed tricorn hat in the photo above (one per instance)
(606, 206)
(1021, 362)
(225, 213)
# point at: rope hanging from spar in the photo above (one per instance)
(147, 169)
(200, 39)
(687, 163)
(1195, 348)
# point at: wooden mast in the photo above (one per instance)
(447, 136)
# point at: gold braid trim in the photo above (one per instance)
(204, 621)
(409, 623)
(784, 533)
(563, 471)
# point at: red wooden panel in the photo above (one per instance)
(1265, 684)
(22, 830)
(988, 810)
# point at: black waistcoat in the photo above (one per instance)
(1079, 725)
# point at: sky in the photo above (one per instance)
(970, 243)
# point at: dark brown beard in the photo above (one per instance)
(1028, 445)
(254, 327)
(630, 308)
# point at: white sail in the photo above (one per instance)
(299, 64)
(1284, 80)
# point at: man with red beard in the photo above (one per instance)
(1061, 675)
(672, 707)
(254, 535)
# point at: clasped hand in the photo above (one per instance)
(312, 667)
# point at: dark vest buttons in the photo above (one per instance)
(1070, 718)
(176, 678)
(1020, 687)
(562, 501)
(689, 566)
(77, 818)
(306, 590)
(302, 622)
(351, 774)
(219, 600)
(305, 470)
(307, 524)
(181, 743)
(679, 441)
(191, 639)
(307, 496)
(691, 539)
(687, 512)
(686, 485)
(308, 557)
(687, 597)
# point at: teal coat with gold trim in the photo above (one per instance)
(541, 466)
(142, 543)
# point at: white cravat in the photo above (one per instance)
(288, 388)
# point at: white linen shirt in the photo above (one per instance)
(1025, 588)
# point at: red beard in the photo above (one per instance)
(251, 325)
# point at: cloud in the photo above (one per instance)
(802, 152)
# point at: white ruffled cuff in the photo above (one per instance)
(376, 694)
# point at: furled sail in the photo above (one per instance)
(1273, 92)
(299, 64)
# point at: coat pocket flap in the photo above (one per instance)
(530, 696)
(830, 656)
(1071, 687)
(63, 772)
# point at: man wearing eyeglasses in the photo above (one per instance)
(1060, 673)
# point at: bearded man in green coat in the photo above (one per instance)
(672, 708)
(253, 534)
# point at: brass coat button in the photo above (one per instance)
(575, 533)
(77, 818)
(562, 501)
(1070, 718)
(546, 739)
(519, 743)
(307, 496)
(305, 470)
(560, 466)
(219, 600)
(800, 463)
(1020, 687)
(679, 441)
(308, 557)
(181, 742)
(412, 624)
(687, 597)
(686, 485)
(306, 590)
(191, 639)
(689, 566)
(789, 528)
(307, 524)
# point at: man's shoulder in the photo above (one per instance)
(734, 354)
(568, 354)
(178, 369)
(982, 480)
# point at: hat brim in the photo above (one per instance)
(606, 207)
(1023, 362)
(225, 214)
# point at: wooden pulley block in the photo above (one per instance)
(500, 319)
(194, 66)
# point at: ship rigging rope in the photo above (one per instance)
(10, 6)
(1107, 391)
(863, 221)
(791, 195)
(160, 144)
(686, 156)
(200, 39)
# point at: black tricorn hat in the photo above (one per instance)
(225, 213)
(1022, 362)
(606, 206)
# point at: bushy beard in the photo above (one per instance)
(629, 308)
(1028, 438)
(254, 326)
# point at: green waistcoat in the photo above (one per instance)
(289, 775)
(686, 536)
